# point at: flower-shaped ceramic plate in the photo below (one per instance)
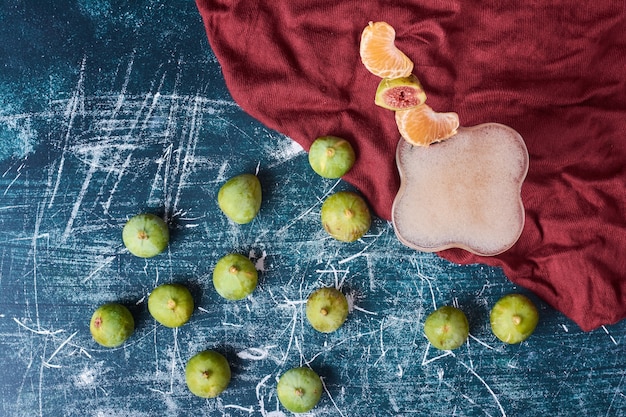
(464, 192)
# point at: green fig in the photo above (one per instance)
(345, 216)
(331, 157)
(299, 389)
(513, 318)
(171, 304)
(145, 235)
(327, 309)
(240, 198)
(207, 374)
(446, 328)
(111, 324)
(234, 277)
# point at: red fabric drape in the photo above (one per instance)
(554, 71)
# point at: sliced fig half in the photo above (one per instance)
(400, 93)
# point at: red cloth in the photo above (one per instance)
(555, 71)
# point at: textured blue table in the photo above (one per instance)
(110, 109)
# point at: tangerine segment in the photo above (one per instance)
(422, 125)
(379, 53)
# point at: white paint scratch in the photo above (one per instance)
(41, 332)
(81, 196)
(259, 264)
(430, 287)
(362, 310)
(383, 351)
(493, 394)
(471, 336)
(443, 354)
(101, 266)
(332, 400)
(261, 398)
(65, 342)
(120, 175)
(189, 149)
(34, 250)
(255, 354)
(122, 94)
(76, 103)
(250, 410)
(19, 174)
(226, 324)
(609, 334)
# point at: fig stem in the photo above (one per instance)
(323, 311)
(517, 319)
(348, 213)
(206, 374)
(299, 392)
(142, 235)
(233, 269)
(171, 304)
(330, 152)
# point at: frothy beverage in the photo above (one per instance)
(463, 192)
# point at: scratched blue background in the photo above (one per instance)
(108, 109)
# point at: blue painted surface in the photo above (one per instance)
(109, 109)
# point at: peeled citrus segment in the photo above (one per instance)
(422, 125)
(379, 53)
(400, 93)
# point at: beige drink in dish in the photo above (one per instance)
(463, 192)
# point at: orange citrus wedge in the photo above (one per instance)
(379, 53)
(422, 125)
